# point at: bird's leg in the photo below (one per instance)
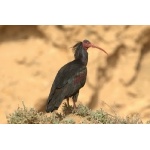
(67, 102)
(75, 97)
(74, 104)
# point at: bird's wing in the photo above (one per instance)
(66, 75)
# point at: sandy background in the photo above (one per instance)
(30, 57)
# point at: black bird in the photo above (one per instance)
(70, 78)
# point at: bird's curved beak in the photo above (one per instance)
(92, 45)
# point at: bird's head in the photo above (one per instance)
(87, 44)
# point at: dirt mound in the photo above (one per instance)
(31, 56)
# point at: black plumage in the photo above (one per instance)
(70, 78)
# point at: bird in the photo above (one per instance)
(71, 77)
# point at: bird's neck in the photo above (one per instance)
(83, 57)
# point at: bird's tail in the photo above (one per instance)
(54, 102)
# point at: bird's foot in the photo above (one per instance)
(74, 110)
(67, 109)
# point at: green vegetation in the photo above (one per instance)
(86, 116)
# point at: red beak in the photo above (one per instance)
(91, 45)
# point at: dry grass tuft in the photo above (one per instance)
(31, 116)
